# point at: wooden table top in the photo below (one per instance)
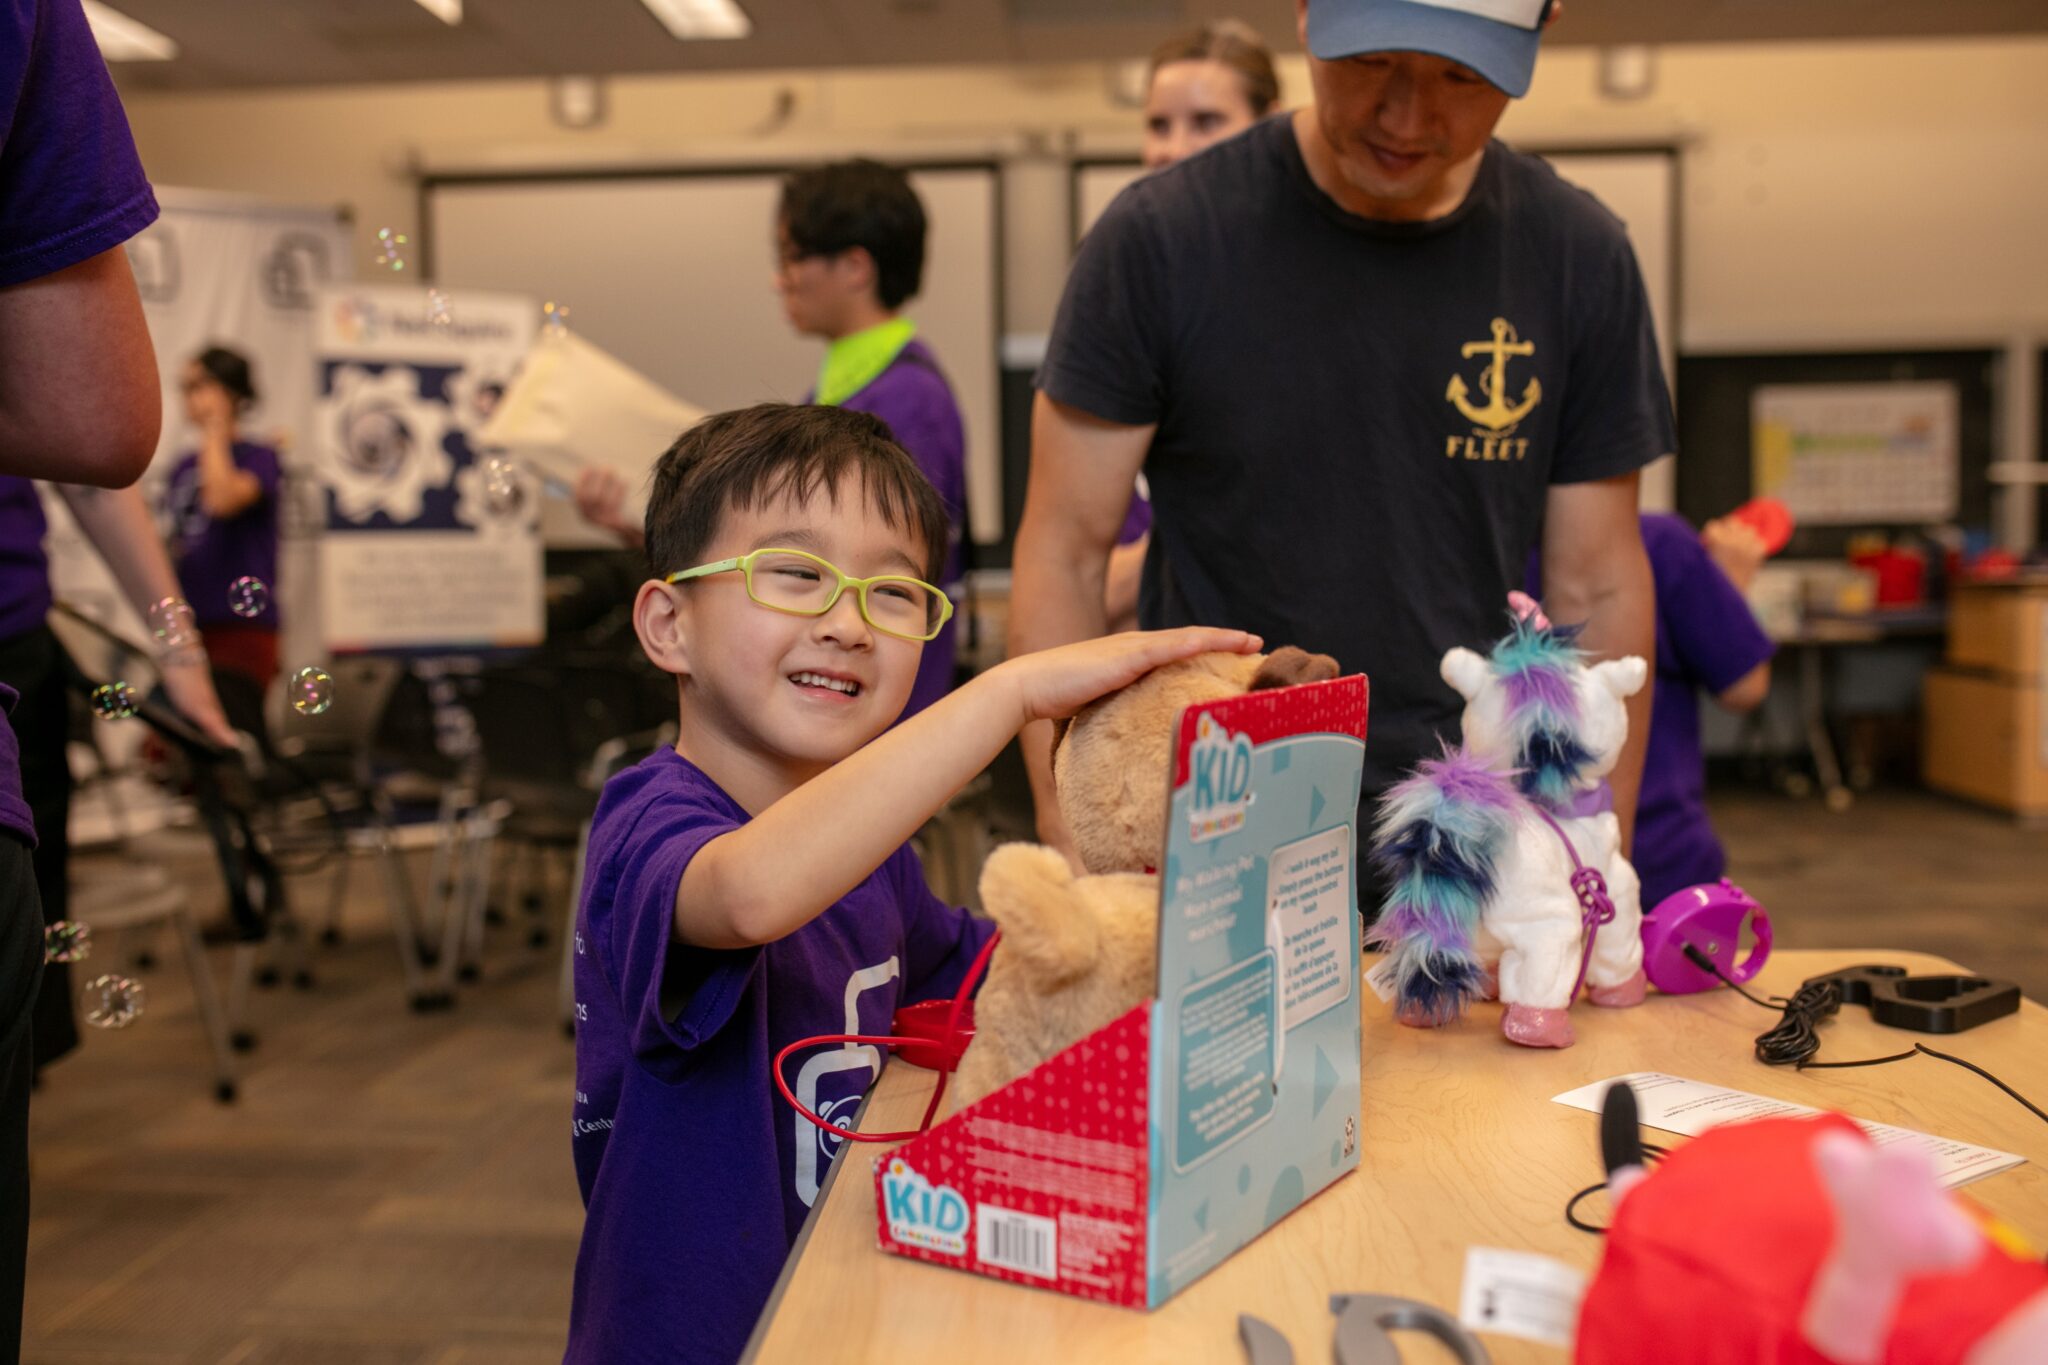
(1460, 1146)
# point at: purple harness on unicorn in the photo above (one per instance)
(1503, 856)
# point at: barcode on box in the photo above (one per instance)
(1023, 1242)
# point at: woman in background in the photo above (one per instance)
(221, 503)
(1205, 86)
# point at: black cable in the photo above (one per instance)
(1796, 1038)
(1651, 1153)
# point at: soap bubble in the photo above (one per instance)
(113, 1001)
(438, 314)
(554, 320)
(114, 701)
(312, 691)
(503, 492)
(172, 623)
(247, 597)
(391, 249)
(67, 941)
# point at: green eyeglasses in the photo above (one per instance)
(805, 585)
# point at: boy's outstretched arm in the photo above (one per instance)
(783, 868)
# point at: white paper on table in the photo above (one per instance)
(1520, 1294)
(1689, 1108)
(573, 404)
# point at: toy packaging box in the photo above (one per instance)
(1127, 1166)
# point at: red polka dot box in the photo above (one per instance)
(1129, 1165)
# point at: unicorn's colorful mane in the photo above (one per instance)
(1536, 662)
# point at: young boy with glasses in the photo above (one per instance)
(754, 885)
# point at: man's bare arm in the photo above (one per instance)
(1082, 473)
(79, 396)
(1595, 571)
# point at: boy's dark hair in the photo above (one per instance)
(847, 204)
(741, 459)
(230, 370)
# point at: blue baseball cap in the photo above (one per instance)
(1496, 38)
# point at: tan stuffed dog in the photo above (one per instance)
(1080, 951)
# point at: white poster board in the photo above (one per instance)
(229, 270)
(1838, 454)
(420, 554)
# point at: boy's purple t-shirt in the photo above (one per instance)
(913, 397)
(212, 554)
(71, 187)
(1707, 638)
(696, 1175)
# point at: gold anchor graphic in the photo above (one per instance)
(1497, 414)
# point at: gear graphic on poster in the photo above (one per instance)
(385, 443)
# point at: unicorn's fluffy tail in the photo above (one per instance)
(1439, 839)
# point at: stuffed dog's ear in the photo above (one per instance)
(1288, 666)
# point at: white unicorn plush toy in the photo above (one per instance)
(1503, 857)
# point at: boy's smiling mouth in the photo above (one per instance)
(837, 684)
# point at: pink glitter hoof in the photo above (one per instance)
(1629, 992)
(1532, 1027)
(1416, 1018)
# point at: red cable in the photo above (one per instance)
(949, 1056)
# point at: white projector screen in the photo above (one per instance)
(671, 272)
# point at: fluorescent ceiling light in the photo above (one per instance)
(122, 39)
(701, 18)
(447, 11)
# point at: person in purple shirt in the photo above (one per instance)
(78, 403)
(849, 243)
(754, 886)
(221, 506)
(1708, 641)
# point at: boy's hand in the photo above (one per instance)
(1058, 682)
(1736, 548)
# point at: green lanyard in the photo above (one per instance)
(854, 362)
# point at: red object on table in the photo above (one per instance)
(1769, 518)
(1901, 576)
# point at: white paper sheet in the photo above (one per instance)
(1677, 1105)
(1520, 1294)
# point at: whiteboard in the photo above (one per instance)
(1637, 186)
(672, 273)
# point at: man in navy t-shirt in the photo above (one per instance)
(78, 402)
(753, 888)
(1362, 353)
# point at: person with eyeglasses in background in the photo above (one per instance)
(849, 257)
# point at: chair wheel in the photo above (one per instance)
(467, 972)
(430, 954)
(225, 1092)
(144, 960)
(267, 977)
(330, 938)
(537, 938)
(302, 980)
(431, 1002)
(241, 1040)
(493, 915)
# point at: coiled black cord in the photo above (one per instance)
(1796, 1037)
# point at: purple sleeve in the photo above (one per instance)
(939, 940)
(1712, 632)
(675, 997)
(71, 184)
(263, 463)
